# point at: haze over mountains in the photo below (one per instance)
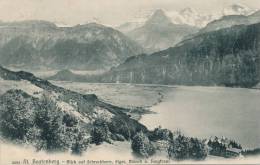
(41, 44)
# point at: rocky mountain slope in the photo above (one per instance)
(225, 57)
(159, 32)
(41, 44)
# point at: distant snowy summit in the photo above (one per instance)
(189, 16)
(159, 33)
(238, 9)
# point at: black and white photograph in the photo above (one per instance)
(120, 82)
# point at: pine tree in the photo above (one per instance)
(142, 146)
(100, 131)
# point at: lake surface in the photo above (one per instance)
(196, 111)
(210, 111)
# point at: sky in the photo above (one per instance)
(109, 12)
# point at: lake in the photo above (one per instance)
(210, 111)
(196, 111)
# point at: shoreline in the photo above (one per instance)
(147, 110)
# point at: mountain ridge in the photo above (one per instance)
(228, 57)
(231, 20)
(43, 44)
(159, 32)
(189, 16)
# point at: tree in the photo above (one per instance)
(234, 144)
(80, 142)
(197, 149)
(187, 148)
(100, 132)
(178, 149)
(142, 146)
(16, 112)
(49, 119)
(161, 134)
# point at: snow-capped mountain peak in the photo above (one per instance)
(238, 9)
(188, 11)
(188, 15)
(159, 13)
(159, 17)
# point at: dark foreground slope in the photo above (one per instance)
(60, 119)
(229, 57)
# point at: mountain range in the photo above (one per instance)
(41, 44)
(238, 9)
(228, 57)
(163, 29)
(159, 32)
(231, 20)
(188, 16)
